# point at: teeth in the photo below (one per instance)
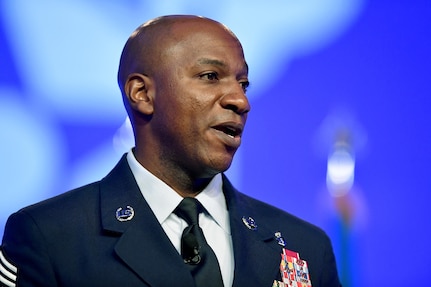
(230, 132)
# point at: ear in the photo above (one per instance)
(138, 89)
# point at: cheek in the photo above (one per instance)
(182, 104)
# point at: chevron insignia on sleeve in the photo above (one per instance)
(8, 272)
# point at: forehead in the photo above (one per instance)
(191, 41)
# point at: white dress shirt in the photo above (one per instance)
(162, 199)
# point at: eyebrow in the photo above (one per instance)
(208, 61)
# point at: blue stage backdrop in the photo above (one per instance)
(339, 133)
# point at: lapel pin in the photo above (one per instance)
(125, 214)
(280, 239)
(249, 222)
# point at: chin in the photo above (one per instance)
(216, 163)
(221, 165)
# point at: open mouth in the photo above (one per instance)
(232, 131)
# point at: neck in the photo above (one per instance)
(184, 183)
(191, 189)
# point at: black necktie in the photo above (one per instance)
(196, 252)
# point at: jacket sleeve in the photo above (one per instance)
(25, 254)
(329, 276)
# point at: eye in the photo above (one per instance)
(244, 85)
(211, 76)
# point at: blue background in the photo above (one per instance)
(318, 68)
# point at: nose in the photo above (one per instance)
(236, 101)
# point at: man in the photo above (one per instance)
(183, 81)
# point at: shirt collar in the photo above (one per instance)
(162, 199)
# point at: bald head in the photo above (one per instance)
(143, 51)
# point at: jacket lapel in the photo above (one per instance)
(146, 249)
(256, 252)
(143, 245)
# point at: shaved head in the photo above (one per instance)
(143, 51)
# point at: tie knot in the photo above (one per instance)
(189, 209)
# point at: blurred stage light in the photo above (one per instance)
(340, 171)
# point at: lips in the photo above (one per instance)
(230, 132)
